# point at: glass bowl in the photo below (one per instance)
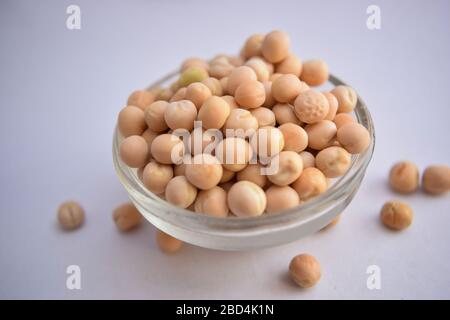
(236, 233)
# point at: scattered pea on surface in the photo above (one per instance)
(126, 217)
(311, 106)
(204, 172)
(213, 202)
(314, 72)
(333, 161)
(311, 183)
(70, 215)
(396, 215)
(281, 198)
(436, 179)
(290, 166)
(404, 177)
(354, 137)
(275, 46)
(167, 243)
(156, 176)
(131, 121)
(180, 192)
(304, 269)
(246, 199)
(134, 151)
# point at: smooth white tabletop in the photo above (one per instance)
(60, 93)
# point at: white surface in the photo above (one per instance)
(61, 90)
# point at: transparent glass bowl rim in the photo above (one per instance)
(158, 206)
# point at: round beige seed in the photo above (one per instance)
(315, 72)
(308, 159)
(286, 88)
(220, 67)
(252, 46)
(231, 102)
(436, 179)
(208, 141)
(180, 94)
(204, 172)
(127, 217)
(141, 99)
(292, 65)
(197, 93)
(154, 116)
(267, 141)
(167, 149)
(333, 105)
(354, 137)
(165, 94)
(396, 215)
(250, 94)
(404, 177)
(333, 161)
(253, 173)
(343, 118)
(213, 113)
(311, 183)
(321, 134)
(180, 192)
(156, 176)
(265, 117)
(240, 122)
(275, 46)
(167, 243)
(246, 199)
(281, 198)
(214, 86)
(288, 166)
(304, 269)
(212, 202)
(134, 151)
(131, 121)
(346, 97)
(70, 215)
(284, 113)
(311, 106)
(260, 67)
(234, 153)
(270, 101)
(194, 62)
(180, 115)
(295, 137)
(238, 76)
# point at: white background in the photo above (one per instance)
(60, 93)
